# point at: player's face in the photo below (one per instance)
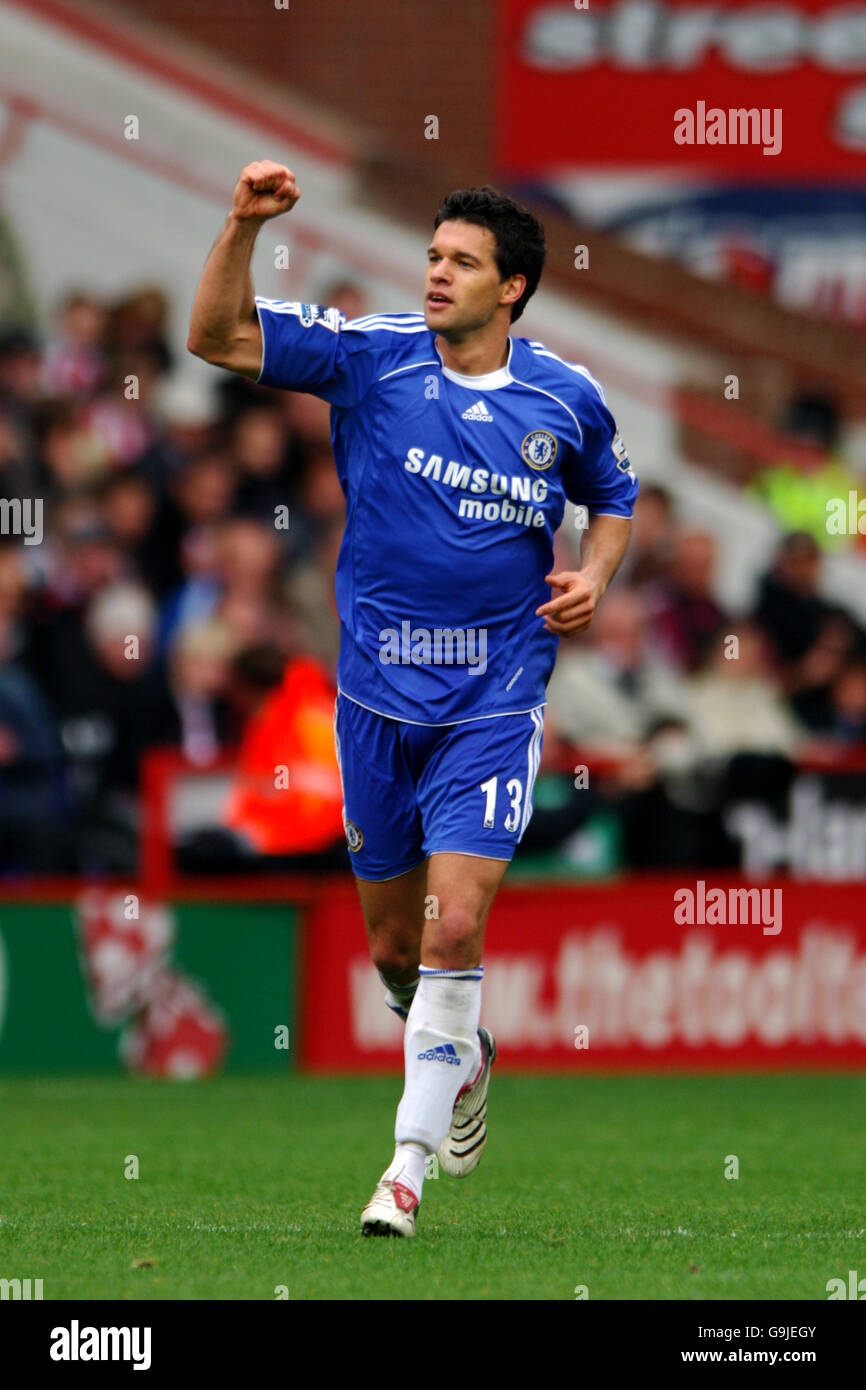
(462, 288)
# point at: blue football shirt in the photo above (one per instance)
(455, 486)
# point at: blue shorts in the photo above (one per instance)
(412, 790)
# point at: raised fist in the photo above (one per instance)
(264, 190)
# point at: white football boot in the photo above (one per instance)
(390, 1211)
(461, 1149)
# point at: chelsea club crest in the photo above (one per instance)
(354, 836)
(539, 449)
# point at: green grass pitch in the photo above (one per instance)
(615, 1183)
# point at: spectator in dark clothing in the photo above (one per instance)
(789, 607)
(35, 834)
(259, 452)
(837, 709)
(111, 699)
(686, 617)
(204, 490)
(812, 639)
(20, 369)
(16, 472)
(653, 539)
(137, 523)
(69, 455)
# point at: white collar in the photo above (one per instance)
(487, 381)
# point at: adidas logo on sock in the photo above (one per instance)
(448, 1054)
(478, 411)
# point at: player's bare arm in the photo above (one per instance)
(224, 327)
(573, 609)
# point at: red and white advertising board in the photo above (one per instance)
(596, 85)
(605, 976)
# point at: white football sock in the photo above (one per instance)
(442, 1053)
(408, 1166)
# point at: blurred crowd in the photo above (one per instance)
(690, 707)
(181, 596)
(183, 581)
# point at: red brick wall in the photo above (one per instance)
(385, 64)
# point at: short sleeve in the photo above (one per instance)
(599, 475)
(308, 347)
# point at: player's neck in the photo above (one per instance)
(476, 355)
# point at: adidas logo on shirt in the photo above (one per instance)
(478, 411)
(441, 1054)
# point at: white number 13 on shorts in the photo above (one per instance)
(514, 790)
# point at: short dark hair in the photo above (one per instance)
(520, 244)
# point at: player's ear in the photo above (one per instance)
(512, 289)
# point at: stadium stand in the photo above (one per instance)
(159, 476)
